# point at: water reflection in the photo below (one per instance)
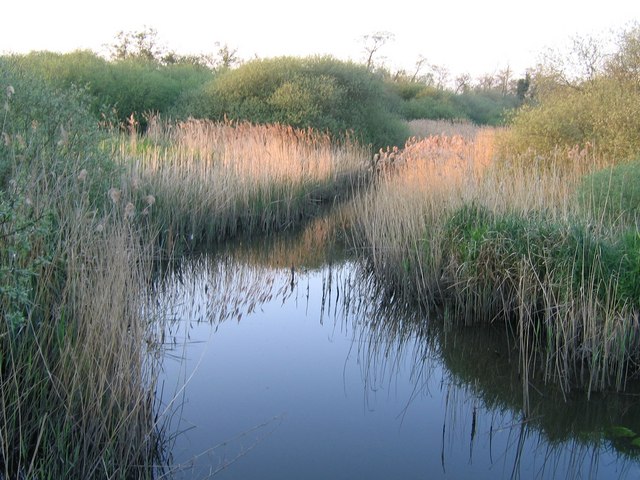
(283, 365)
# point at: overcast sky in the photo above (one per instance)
(470, 36)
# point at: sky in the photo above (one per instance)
(465, 36)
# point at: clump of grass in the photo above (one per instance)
(212, 180)
(507, 242)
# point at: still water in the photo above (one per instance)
(283, 362)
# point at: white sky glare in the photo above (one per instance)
(465, 35)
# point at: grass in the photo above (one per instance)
(424, 128)
(84, 215)
(512, 242)
(212, 181)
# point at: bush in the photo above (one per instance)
(49, 138)
(602, 111)
(317, 92)
(46, 126)
(486, 107)
(130, 86)
(433, 104)
(71, 296)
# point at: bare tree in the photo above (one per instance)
(373, 43)
(227, 56)
(503, 79)
(420, 63)
(137, 44)
(625, 63)
(486, 82)
(463, 83)
(583, 61)
(440, 75)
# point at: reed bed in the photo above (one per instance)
(212, 180)
(487, 241)
(78, 356)
(78, 362)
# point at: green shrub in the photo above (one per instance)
(486, 107)
(318, 92)
(130, 86)
(70, 296)
(602, 111)
(433, 104)
(48, 127)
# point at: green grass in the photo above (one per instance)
(612, 195)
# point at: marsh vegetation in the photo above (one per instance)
(529, 229)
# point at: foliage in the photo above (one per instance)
(602, 109)
(70, 295)
(432, 103)
(132, 85)
(482, 107)
(318, 92)
(486, 107)
(493, 247)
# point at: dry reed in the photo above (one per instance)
(501, 240)
(78, 369)
(214, 180)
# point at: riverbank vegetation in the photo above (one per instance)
(543, 237)
(77, 363)
(140, 79)
(535, 225)
(207, 182)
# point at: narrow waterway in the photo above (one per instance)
(283, 362)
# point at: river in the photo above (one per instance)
(284, 360)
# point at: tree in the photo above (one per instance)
(372, 45)
(522, 87)
(503, 78)
(486, 82)
(227, 56)
(625, 63)
(420, 63)
(463, 83)
(440, 75)
(141, 44)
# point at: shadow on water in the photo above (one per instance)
(289, 357)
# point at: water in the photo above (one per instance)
(271, 373)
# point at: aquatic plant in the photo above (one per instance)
(508, 242)
(213, 180)
(77, 362)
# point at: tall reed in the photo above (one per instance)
(77, 347)
(215, 180)
(507, 241)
